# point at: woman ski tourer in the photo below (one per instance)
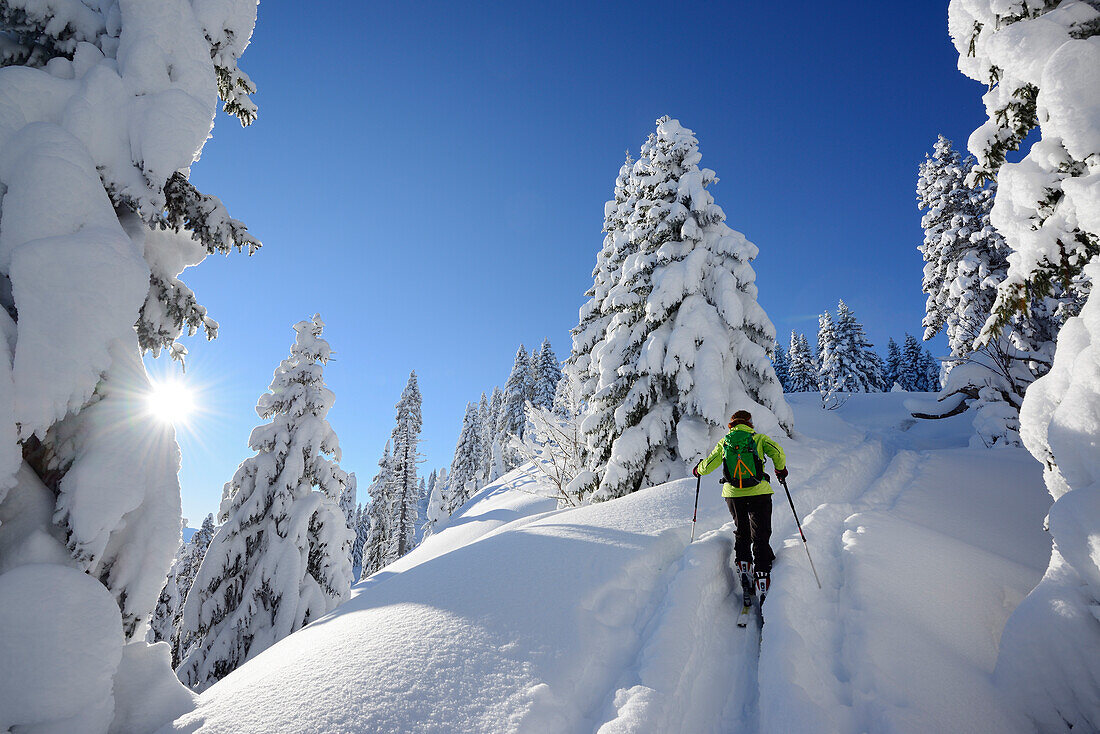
(748, 496)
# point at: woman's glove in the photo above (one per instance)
(695, 471)
(781, 473)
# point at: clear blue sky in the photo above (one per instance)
(430, 177)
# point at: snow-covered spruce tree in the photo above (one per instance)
(284, 542)
(421, 510)
(103, 108)
(487, 422)
(429, 510)
(379, 548)
(911, 370)
(362, 532)
(546, 376)
(162, 625)
(466, 466)
(687, 343)
(1041, 63)
(168, 615)
(437, 502)
(511, 421)
(919, 371)
(801, 372)
(782, 366)
(829, 378)
(931, 369)
(892, 369)
(406, 485)
(493, 448)
(596, 313)
(965, 260)
(348, 505)
(532, 374)
(848, 364)
(861, 366)
(957, 259)
(878, 370)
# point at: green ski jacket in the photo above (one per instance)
(764, 447)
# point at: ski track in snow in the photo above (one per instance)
(826, 673)
(690, 651)
(673, 676)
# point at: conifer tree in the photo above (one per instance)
(421, 509)
(406, 486)
(829, 376)
(168, 614)
(685, 296)
(966, 261)
(782, 368)
(487, 421)
(912, 375)
(848, 364)
(466, 465)
(596, 313)
(493, 448)
(438, 501)
(283, 545)
(864, 366)
(546, 376)
(893, 365)
(532, 375)
(930, 370)
(512, 418)
(362, 533)
(163, 626)
(1037, 63)
(811, 359)
(379, 549)
(348, 505)
(957, 257)
(878, 371)
(429, 495)
(106, 107)
(801, 374)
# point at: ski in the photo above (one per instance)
(748, 589)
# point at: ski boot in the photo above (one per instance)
(744, 570)
(763, 581)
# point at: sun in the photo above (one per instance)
(170, 401)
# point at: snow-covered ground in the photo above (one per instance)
(518, 617)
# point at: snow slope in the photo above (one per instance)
(517, 617)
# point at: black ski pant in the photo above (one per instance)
(753, 516)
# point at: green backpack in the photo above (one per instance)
(741, 465)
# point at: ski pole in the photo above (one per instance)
(698, 481)
(796, 522)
